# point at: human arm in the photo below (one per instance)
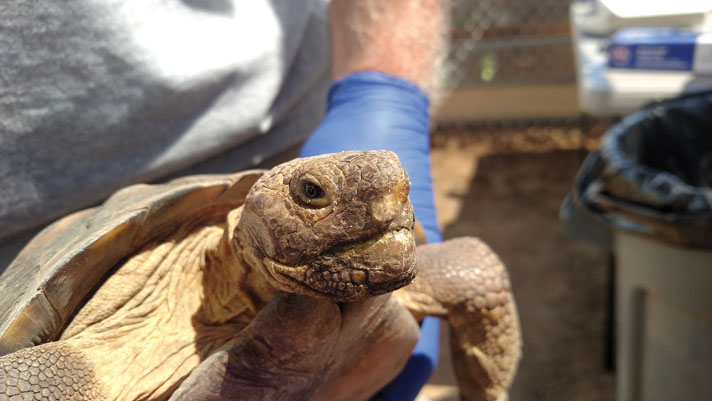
(386, 55)
(403, 38)
(385, 58)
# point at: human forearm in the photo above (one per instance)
(404, 38)
(386, 55)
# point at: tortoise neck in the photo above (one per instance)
(233, 289)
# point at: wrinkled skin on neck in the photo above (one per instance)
(336, 227)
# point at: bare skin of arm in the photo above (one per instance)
(404, 38)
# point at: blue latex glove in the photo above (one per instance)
(375, 111)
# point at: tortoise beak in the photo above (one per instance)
(353, 272)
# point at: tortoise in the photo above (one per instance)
(294, 283)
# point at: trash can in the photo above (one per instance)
(651, 183)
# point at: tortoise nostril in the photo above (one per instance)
(402, 188)
(387, 207)
(394, 205)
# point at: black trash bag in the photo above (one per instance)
(653, 173)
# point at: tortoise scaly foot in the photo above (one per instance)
(50, 372)
(463, 281)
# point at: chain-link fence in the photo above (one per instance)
(511, 74)
(510, 42)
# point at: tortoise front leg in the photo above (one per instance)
(281, 355)
(463, 281)
(53, 371)
(301, 348)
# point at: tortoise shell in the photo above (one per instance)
(61, 267)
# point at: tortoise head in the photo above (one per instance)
(337, 226)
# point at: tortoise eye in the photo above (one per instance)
(313, 191)
(310, 192)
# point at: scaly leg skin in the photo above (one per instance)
(53, 371)
(463, 281)
(301, 348)
(279, 356)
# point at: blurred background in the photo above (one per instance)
(531, 91)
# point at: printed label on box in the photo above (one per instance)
(661, 49)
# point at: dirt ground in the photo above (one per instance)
(506, 188)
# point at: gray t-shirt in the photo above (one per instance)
(97, 95)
